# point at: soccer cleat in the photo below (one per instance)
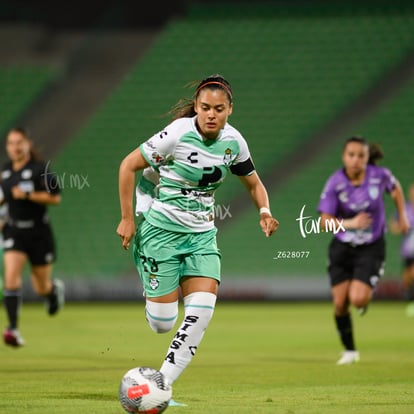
(348, 357)
(13, 338)
(56, 299)
(173, 403)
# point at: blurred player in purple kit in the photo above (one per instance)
(353, 195)
(407, 250)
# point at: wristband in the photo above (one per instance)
(264, 210)
(27, 193)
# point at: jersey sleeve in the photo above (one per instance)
(145, 190)
(243, 163)
(158, 149)
(328, 201)
(389, 180)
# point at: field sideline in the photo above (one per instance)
(272, 357)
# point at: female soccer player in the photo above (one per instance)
(175, 245)
(27, 188)
(353, 196)
(407, 250)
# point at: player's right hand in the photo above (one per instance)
(126, 230)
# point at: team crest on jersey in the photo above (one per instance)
(26, 174)
(153, 282)
(373, 192)
(157, 157)
(343, 197)
(227, 157)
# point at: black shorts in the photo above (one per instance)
(408, 262)
(37, 242)
(365, 262)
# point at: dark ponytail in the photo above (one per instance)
(375, 151)
(375, 154)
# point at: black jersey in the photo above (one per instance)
(34, 176)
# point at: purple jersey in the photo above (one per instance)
(343, 200)
(407, 243)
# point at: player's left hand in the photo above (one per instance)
(268, 224)
(404, 224)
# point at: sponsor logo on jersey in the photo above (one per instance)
(374, 180)
(150, 144)
(192, 158)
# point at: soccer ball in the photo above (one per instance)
(144, 390)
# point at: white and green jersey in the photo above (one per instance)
(145, 190)
(191, 168)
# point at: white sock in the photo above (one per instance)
(161, 316)
(198, 311)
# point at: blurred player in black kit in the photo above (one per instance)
(27, 188)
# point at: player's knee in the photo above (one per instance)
(161, 317)
(360, 299)
(199, 308)
(161, 326)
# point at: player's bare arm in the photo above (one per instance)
(41, 197)
(399, 200)
(133, 162)
(258, 194)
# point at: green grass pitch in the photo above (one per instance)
(255, 358)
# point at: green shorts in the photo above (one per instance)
(163, 257)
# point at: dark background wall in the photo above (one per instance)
(86, 14)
